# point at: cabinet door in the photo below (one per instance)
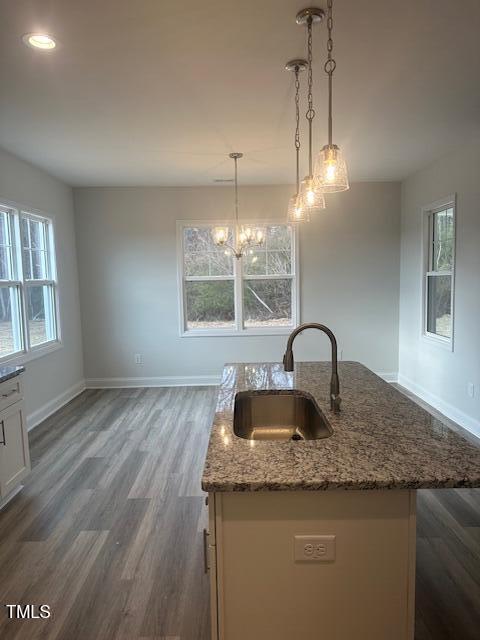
(214, 511)
(14, 454)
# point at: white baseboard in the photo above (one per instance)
(38, 416)
(461, 418)
(11, 496)
(388, 377)
(162, 381)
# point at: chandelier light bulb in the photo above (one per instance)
(330, 174)
(310, 198)
(220, 235)
(296, 213)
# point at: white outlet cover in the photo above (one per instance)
(314, 548)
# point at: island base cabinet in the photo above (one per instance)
(260, 591)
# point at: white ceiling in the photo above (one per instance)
(145, 92)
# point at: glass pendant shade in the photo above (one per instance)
(296, 213)
(220, 235)
(250, 236)
(310, 198)
(330, 173)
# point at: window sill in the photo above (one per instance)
(437, 341)
(33, 354)
(243, 333)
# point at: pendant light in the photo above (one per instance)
(310, 196)
(297, 213)
(246, 236)
(330, 167)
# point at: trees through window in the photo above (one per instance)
(439, 275)
(28, 288)
(221, 294)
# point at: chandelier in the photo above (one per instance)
(246, 236)
(297, 213)
(330, 168)
(329, 175)
(310, 198)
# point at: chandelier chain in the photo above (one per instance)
(297, 122)
(236, 189)
(329, 68)
(297, 108)
(310, 111)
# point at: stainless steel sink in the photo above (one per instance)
(284, 415)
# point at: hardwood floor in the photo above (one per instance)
(108, 528)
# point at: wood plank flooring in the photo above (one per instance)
(108, 528)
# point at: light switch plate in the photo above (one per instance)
(314, 548)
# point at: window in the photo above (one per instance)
(439, 271)
(28, 288)
(221, 295)
(11, 332)
(39, 280)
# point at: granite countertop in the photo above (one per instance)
(10, 372)
(381, 439)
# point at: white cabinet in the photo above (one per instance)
(14, 453)
(261, 591)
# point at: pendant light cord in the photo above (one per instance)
(236, 189)
(311, 111)
(297, 123)
(329, 67)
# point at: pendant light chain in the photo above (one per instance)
(329, 173)
(311, 111)
(329, 67)
(297, 122)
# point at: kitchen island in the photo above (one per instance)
(316, 538)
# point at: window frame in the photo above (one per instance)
(238, 279)
(14, 281)
(28, 351)
(428, 212)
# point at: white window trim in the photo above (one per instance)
(439, 205)
(29, 353)
(239, 331)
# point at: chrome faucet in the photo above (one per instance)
(288, 361)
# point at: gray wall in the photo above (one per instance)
(126, 245)
(54, 374)
(439, 375)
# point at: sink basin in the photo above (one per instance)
(284, 415)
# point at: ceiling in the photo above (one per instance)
(156, 92)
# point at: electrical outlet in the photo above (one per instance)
(138, 358)
(314, 548)
(471, 390)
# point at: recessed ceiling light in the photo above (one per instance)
(39, 41)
